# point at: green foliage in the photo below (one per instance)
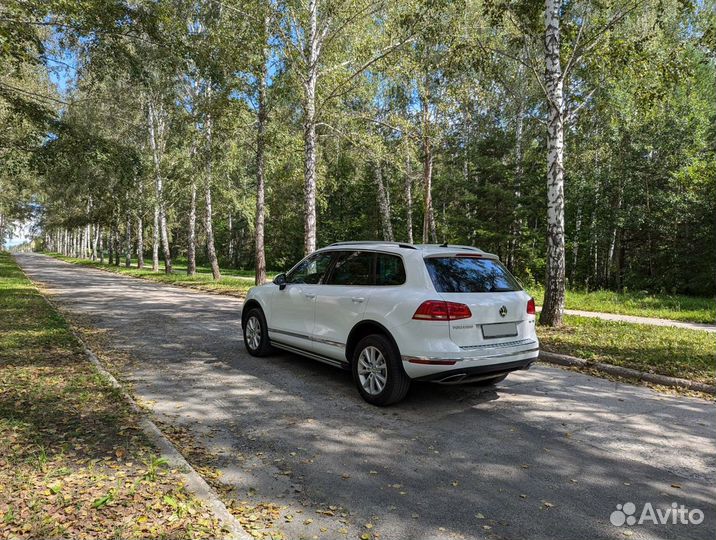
(463, 78)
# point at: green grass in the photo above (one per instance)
(233, 282)
(73, 460)
(642, 304)
(677, 352)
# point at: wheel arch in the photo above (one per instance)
(248, 306)
(363, 329)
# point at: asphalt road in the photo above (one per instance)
(547, 454)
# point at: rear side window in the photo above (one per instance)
(352, 268)
(469, 275)
(389, 270)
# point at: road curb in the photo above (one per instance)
(674, 382)
(192, 479)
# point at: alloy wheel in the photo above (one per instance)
(372, 370)
(253, 332)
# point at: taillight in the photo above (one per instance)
(531, 306)
(439, 310)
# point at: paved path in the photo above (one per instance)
(547, 455)
(640, 320)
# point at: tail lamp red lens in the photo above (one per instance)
(531, 307)
(439, 310)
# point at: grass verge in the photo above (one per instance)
(233, 282)
(662, 306)
(73, 461)
(676, 352)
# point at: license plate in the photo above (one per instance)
(508, 329)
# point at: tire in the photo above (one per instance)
(490, 382)
(374, 356)
(255, 327)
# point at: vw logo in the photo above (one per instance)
(503, 311)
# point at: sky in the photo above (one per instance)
(62, 72)
(21, 234)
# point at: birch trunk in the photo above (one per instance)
(519, 173)
(383, 204)
(191, 233)
(140, 242)
(260, 253)
(155, 239)
(100, 245)
(95, 242)
(309, 129)
(230, 221)
(156, 143)
(409, 199)
(428, 216)
(208, 218)
(128, 242)
(110, 244)
(553, 305)
(575, 245)
(86, 243)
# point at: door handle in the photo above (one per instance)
(310, 296)
(358, 300)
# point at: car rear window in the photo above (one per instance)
(469, 275)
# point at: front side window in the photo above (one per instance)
(352, 268)
(311, 270)
(469, 275)
(389, 270)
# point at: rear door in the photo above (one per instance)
(341, 301)
(496, 300)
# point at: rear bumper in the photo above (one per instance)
(472, 363)
(476, 373)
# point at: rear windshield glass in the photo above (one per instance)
(469, 275)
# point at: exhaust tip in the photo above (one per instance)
(453, 378)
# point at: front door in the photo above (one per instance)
(293, 308)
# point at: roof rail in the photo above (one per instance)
(472, 248)
(404, 245)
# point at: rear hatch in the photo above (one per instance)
(498, 306)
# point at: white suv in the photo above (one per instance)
(394, 312)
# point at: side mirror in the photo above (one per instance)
(280, 280)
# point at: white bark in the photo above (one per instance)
(383, 204)
(409, 199)
(208, 216)
(553, 305)
(155, 238)
(312, 55)
(429, 230)
(260, 252)
(128, 242)
(156, 126)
